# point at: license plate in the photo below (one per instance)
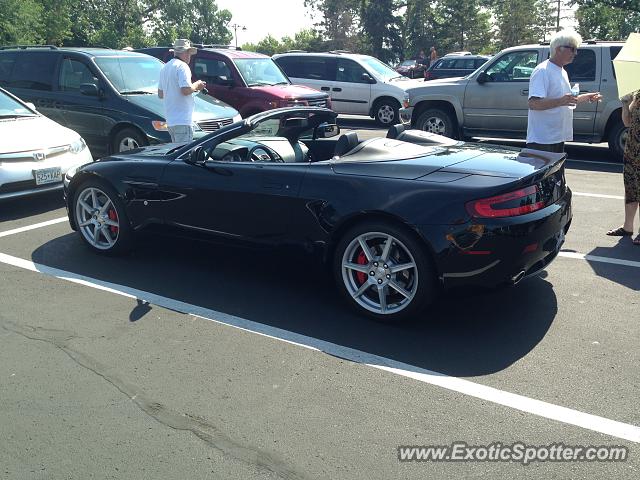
(47, 175)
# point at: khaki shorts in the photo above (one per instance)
(181, 133)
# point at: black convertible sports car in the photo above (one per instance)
(396, 218)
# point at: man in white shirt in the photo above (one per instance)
(550, 120)
(176, 89)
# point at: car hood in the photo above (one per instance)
(382, 157)
(33, 133)
(209, 109)
(289, 92)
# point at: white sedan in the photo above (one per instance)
(35, 152)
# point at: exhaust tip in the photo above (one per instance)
(517, 277)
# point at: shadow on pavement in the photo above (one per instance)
(16, 208)
(623, 275)
(464, 334)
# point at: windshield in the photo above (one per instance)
(260, 71)
(407, 63)
(135, 74)
(11, 108)
(382, 70)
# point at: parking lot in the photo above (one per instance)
(196, 360)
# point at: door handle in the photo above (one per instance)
(325, 89)
(524, 91)
(337, 89)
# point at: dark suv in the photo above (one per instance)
(108, 96)
(250, 82)
(455, 66)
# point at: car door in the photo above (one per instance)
(586, 71)
(315, 71)
(77, 111)
(501, 104)
(351, 92)
(243, 200)
(221, 82)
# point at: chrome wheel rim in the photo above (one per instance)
(386, 114)
(97, 218)
(128, 143)
(379, 273)
(435, 125)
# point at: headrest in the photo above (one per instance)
(346, 143)
(395, 131)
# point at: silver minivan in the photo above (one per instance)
(493, 100)
(358, 84)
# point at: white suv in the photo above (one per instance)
(358, 84)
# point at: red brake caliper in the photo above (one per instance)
(113, 216)
(361, 260)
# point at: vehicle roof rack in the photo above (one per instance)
(24, 47)
(296, 51)
(215, 45)
(340, 51)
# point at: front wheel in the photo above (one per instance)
(128, 139)
(617, 139)
(436, 121)
(101, 219)
(383, 271)
(386, 113)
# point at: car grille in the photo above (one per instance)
(30, 156)
(213, 125)
(317, 102)
(24, 185)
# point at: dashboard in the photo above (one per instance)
(256, 149)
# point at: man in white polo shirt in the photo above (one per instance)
(550, 120)
(176, 89)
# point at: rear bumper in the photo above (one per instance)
(501, 251)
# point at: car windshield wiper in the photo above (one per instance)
(281, 83)
(17, 115)
(136, 92)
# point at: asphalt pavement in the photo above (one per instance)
(193, 360)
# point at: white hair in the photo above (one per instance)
(562, 38)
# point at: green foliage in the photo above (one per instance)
(20, 22)
(522, 21)
(606, 23)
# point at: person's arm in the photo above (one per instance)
(184, 80)
(193, 88)
(537, 103)
(589, 97)
(627, 101)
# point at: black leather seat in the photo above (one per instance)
(346, 143)
(395, 131)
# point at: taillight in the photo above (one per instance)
(512, 204)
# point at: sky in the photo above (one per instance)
(280, 18)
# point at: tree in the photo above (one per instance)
(521, 21)
(209, 23)
(628, 5)
(418, 31)
(381, 29)
(20, 22)
(606, 23)
(340, 22)
(461, 25)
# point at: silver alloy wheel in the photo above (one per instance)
(97, 218)
(127, 143)
(386, 114)
(435, 125)
(379, 273)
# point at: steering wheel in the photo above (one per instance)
(261, 153)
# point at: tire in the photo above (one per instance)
(128, 139)
(371, 284)
(437, 121)
(617, 139)
(386, 112)
(101, 218)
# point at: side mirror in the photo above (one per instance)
(197, 156)
(483, 78)
(368, 78)
(326, 130)
(89, 89)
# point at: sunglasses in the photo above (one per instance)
(573, 49)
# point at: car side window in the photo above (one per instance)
(73, 74)
(446, 64)
(33, 70)
(209, 69)
(514, 67)
(312, 68)
(583, 67)
(7, 60)
(349, 71)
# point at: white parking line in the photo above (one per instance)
(34, 226)
(598, 195)
(596, 258)
(525, 404)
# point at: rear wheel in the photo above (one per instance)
(101, 218)
(436, 121)
(617, 139)
(383, 271)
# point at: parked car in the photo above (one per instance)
(35, 152)
(455, 66)
(412, 68)
(358, 84)
(396, 218)
(493, 101)
(248, 81)
(108, 96)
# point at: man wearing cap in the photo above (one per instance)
(176, 89)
